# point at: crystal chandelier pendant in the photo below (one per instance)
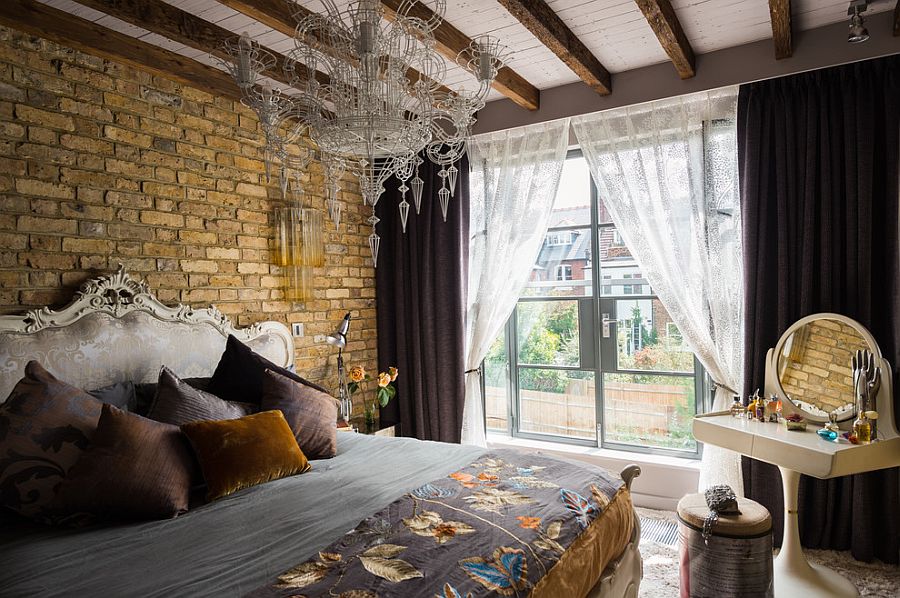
(334, 210)
(374, 244)
(452, 173)
(284, 183)
(404, 205)
(444, 198)
(404, 213)
(374, 239)
(417, 185)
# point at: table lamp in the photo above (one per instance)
(338, 338)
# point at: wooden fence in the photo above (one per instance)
(642, 409)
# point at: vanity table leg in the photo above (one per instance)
(794, 575)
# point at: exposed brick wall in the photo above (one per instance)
(101, 163)
(817, 369)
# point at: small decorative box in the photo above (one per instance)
(795, 423)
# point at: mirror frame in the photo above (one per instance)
(773, 383)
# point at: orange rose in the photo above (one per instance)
(383, 379)
(393, 372)
(357, 373)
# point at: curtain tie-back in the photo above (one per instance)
(725, 387)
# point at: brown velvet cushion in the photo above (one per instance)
(239, 374)
(311, 414)
(177, 402)
(240, 453)
(135, 468)
(45, 425)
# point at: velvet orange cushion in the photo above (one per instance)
(240, 453)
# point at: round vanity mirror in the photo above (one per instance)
(813, 365)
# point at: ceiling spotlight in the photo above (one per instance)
(858, 32)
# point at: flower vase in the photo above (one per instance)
(371, 416)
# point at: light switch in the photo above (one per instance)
(297, 328)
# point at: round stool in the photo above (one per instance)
(737, 559)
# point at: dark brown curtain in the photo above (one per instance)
(421, 284)
(819, 174)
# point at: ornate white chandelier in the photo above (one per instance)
(379, 105)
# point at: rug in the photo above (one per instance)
(659, 549)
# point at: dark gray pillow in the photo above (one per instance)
(177, 403)
(146, 393)
(120, 394)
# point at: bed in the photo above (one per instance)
(242, 544)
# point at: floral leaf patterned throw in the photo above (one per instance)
(494, 528)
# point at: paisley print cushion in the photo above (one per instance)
(45, 426)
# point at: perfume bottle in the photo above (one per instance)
(751, 409)
(862, 428)
(761, 409)
(830, 430)
(772, 409)
(737, 409)
(872, 416)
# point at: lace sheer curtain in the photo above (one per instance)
(668, 173)
(513, 180)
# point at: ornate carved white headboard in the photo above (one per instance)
(116, 330)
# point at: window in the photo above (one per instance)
(589, 355)
(559, 238)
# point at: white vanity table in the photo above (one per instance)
(796, 452)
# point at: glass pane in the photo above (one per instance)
(648, 339)
(557, 402)
(563, 267)
(652, 411)
(496, 387)
(572, 206)
(547, 333)
(603, 216)
(619, 272)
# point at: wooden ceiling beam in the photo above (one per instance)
(665, 24)
(283, 17)
(451, 42)
(183, 27)
(64, 28)
(277, 14)
(551, 31)
(780, 15)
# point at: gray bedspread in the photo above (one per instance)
(229, 547)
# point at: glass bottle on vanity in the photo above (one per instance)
(862, 428)
(737, 408)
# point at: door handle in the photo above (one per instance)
(606, 322)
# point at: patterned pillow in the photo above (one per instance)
(177, 402)
(310, 414)
(45, 426)
(135, 468)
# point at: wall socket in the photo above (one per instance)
(297, 328)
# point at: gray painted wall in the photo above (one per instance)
(813, 49)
